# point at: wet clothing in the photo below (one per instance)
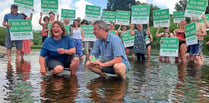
(110, 49)
(52, 63)
(140, 56)
(196, 49)
(109, 70)
(139, 42)
(131, 47)
(50, 46)
(8, 42)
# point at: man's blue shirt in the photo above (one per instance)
(110, 49)
(10, 16)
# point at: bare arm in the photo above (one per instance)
(171, 35)
(131, 29)
(31, 15)
(119, 31)
(42, 65)
(82, 34)
(109, 63)
(157, 32)
(151, 38)
(148, 29)
(206, 22)
(114, 61)
(40, 19)
(207, 43)
(71, 32)
(70, 51)
(174, 32)
(6, 24)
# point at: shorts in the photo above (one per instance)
(196, 49)
(108, 69)
(180, 43)
(9, 43)
(131, 47)
(78, 46)
(188, 49)
(148, 45)
(52, 63)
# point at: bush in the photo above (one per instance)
(2, 35)
(37, 38)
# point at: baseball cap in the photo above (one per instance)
(14, 6)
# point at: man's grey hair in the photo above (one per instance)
(101, 24)
(195, 18)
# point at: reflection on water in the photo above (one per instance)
(59, 89)
(107, 90)
(147, 82)
(18, 89)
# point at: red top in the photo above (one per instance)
(180, 35)
(43, 32)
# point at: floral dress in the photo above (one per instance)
(139, 42)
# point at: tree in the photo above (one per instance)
(113, 5)
(181, 5)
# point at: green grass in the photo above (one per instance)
(2, 35)
(36, 46)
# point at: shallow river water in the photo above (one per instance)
(147, 82)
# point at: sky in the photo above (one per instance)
(78, 5)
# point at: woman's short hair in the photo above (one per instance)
(62, 27)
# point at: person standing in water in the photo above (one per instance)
(128, 49)
(180, 34)
(165, 34)
(77, 35)
(8, 42)
(139, 40)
